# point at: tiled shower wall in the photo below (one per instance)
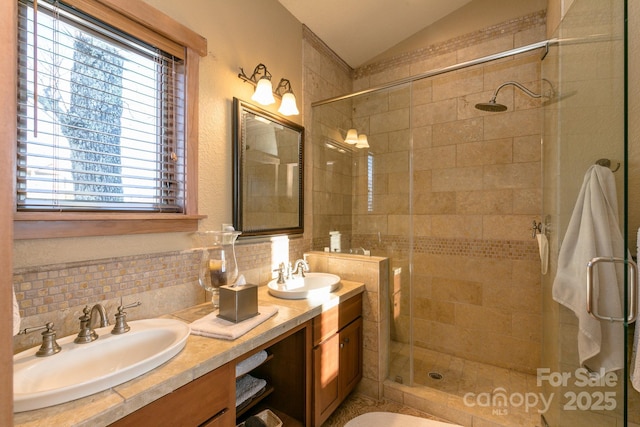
(474, 190)
(328, 171)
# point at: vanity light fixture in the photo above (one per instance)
(288, 106)
(264, 90)
(362, 141)
(352, 137)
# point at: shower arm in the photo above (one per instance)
(519, 86)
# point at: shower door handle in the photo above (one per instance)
(632, 293)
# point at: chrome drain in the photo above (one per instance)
(435, 375)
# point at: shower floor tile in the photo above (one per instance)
(465, 384)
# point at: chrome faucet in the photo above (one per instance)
(87, 334)
(98, 308)
(300, 267)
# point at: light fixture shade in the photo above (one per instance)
(352, 136)
(264, 92)
(288, 106)
(362, 141)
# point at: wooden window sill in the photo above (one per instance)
(44, 225)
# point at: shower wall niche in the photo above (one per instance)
(448, 193)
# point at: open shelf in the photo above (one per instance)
(245, 406)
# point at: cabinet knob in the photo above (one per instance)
(346, 340)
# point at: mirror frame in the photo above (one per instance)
(239, 107)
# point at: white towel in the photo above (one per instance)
(593, 231)
(635, 358)
(16, 313)
(214, 327)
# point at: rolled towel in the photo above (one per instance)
(247, 387)
(250, 363)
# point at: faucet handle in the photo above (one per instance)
(281, 273)
(122, 308)
(49, 345)
(86, 334)
(121, 325)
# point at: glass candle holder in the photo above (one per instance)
(218, 266)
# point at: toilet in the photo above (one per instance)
(390, 419)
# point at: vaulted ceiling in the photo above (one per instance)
(358, 30)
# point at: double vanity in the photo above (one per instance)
(314, 359)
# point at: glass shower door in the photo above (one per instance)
(585, 362)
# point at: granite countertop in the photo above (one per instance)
(200, 356)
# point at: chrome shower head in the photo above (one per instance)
(494, 107)
(491, 106)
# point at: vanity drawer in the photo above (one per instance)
(208, 400)
(336, 318)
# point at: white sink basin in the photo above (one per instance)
(83, 369)
(312, 286)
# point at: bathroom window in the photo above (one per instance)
(101, 115)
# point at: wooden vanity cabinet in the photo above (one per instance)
(337, 356)
(206, 401)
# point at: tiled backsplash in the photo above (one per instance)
(49, 288)
(163, 282)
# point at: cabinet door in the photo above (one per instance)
(326, 386)
(350, 357)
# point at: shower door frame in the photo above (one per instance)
(561, 183)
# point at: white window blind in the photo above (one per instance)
(100, 117)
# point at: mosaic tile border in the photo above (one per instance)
(477, 248)
(508, 27)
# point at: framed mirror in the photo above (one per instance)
(267, 172)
